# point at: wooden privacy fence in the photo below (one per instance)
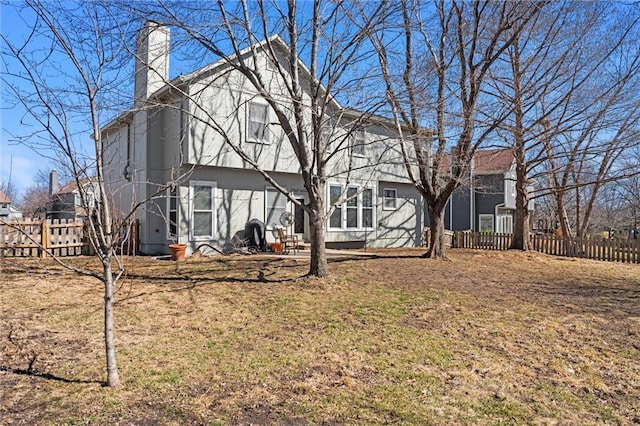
(30, 238)
(60, 237)
(613, 250)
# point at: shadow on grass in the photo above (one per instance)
(599, 298)
(47, 376)
(258, 271)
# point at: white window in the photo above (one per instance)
(357, 212)
(486, 223)
(367, 208)
(275, 205)
(203, 213)
(91, 199)
(389, 199)
(335, 221)
(357, 142)
(258, 122)
(172, 213)
(504, 224)
(352, 207)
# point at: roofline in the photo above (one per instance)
(276, 40)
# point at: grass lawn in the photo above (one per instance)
(484, 338)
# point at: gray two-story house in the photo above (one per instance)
(185, 127)
(65, 202)
(486, 201)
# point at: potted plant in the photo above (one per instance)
(178, 251)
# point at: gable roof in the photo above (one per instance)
(73, 186)
(4, 198)
(275, 42)
(493, 160)
(486, 162)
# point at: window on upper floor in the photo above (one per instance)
(91, 199)
(358, 142)
(258, 122)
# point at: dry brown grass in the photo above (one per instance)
(486, 338)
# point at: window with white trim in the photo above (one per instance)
(389, 197)
(357, 212)
(275, 205)
(335, 221)
(367, 208)
(203, 212)
(258, 122)
(172, 212)
(486, 222)
(504, 224)
(352, 207)
(91, 199)
(357, 142)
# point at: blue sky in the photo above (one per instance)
(20, 163)
(17, 162)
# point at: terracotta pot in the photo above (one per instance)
(178, 251)
(275, 247)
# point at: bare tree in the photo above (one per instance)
(66, 75)
(597, 121)
(35, 202)
(6, 186)
(569, 78)
(447, 53)
(318, 129)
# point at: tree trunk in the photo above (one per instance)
(109, 299)
(562, 216)
(318, 266)
(521, 239)
(436, 225)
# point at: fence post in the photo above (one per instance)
(44, 238)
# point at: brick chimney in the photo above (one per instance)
(53, 182)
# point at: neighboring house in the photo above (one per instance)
(486, 201)
(7, 210)
(148, 146)
(66, 203)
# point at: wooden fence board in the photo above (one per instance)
(612, 250)
(60, 237)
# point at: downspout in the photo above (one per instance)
(451, 211)
(472, 198)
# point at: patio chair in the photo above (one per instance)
(288, 241)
